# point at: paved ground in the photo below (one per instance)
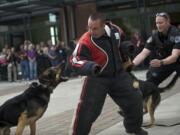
(57, 119)
(167, 114)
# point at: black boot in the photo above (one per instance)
(138, 132)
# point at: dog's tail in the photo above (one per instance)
(170, 84)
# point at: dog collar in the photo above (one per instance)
(36, 84)
(47, 87)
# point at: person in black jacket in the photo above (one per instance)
(98, 57)
(43, 62)
(164, 48)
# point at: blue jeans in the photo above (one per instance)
(33, 70)
(25, 69)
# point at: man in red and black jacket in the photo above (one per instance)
(97, 56)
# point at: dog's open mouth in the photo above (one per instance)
(52, 76)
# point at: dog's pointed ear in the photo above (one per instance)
(59, 70)
(45, 76)
(128, 65)
(58, 73)
(42, 77)
(60, 66)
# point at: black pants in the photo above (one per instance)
(93, 97)
(157, 75)
(3, 72)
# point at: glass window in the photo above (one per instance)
(52, 17)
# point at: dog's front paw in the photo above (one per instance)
(147, 125)
(64, 78)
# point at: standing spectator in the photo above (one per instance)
(31, 54)
(42, 44)
(49, 43)
(138, 42)
(62, 50)
(12, 64)
(43, 62)
(24, 63)
(68, 69)
(53, 55)
(178, 26)
(38, 48)
(3, 64)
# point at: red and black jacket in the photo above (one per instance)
(103, 51)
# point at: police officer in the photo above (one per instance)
(164, 47)
(97, 56)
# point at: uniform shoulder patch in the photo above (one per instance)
(177, 39)
(149, 40)
(172, 38)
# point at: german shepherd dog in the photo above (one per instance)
(28, 107)
(151, 93)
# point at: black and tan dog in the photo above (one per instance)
(151, 93)
(28, 107)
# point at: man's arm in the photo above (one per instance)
(141, 56)
(81, 61)
(168, 60)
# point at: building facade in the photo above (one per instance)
(65, 20)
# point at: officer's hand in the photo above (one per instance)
(155, 63)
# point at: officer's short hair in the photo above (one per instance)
(163, 14)
(96, 16)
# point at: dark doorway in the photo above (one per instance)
(16, 39)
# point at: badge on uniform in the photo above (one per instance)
(136, 84)
(177, 39)
(172, 39)
(117, 35)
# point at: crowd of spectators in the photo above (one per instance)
(30, 60)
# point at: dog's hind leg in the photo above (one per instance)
(21, 123)
(32, 128)
(151, 109)
(145, 110)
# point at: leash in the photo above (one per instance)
(164, 125)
